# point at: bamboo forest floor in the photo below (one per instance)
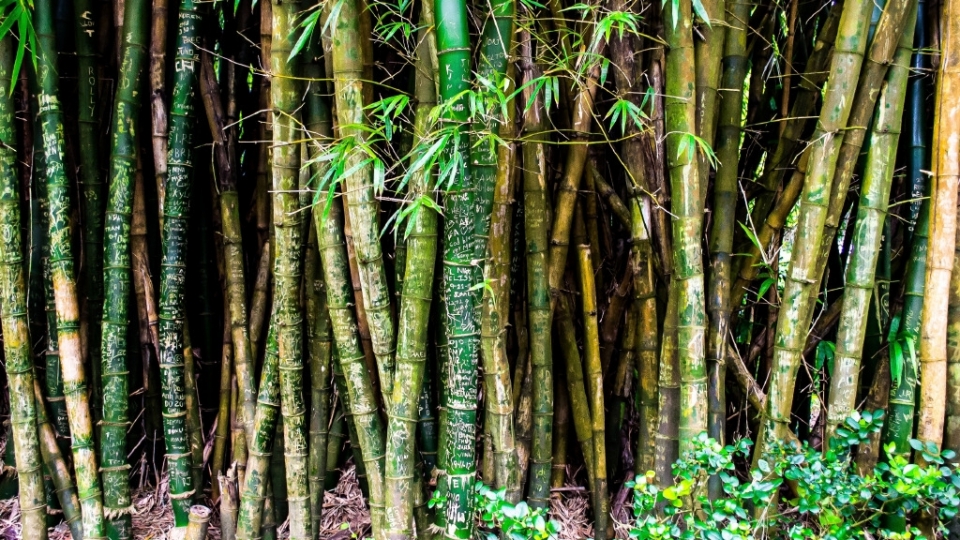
(344, 514)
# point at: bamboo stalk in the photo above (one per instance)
(401, 486)
(943, 224)
(868, 232)
(804, 274)
(65, 287)
(116, 266)
(18, 364)
(55, 463)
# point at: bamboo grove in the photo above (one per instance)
(540, 245)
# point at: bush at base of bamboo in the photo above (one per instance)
(827, 498)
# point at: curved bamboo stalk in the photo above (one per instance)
(804, 274)
(64, 282)
(116, 264)
(943, 224)
(55, 463)
(348, 69)
(868, 232)
(360, 394)
(18, 362)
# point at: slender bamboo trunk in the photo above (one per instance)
(804, 274)
(594, 375)
(251, 514)
(498, 386)
(116, 264)
(536, 216)
(685, 189)
(172, 316)
(55, 463)
(646, 354)
(723, 227)
(288, 316)
(319, 328)
(16, 337)
(421, 252)
(867, 234)
(348, 68)
(667, 438)
(158, 93)
(91, 181)
(943, 224)
(362, 400)
(64, 281)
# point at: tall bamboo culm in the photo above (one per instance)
(943, 226)
(175, 212)
(117, 271)
(13, 316)
(64, 280)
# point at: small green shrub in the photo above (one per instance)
(826, 499)
(515, 521)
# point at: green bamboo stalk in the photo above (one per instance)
(427, 438)
(65, 288)
(686, 206)
(458, 396)
(804, 274)
(942, 241)
(708, 54)
(498, 386)
(362, 205)
(725, 186)
(883, 46)
(536, 215)
(286, 97)
(222, 433)
(360, 394)
(116, 266)
(915, 119)
(176, 208)
(401, 486)
(319, 333)
(54, 375)
(91, 182)
(251, 514)
(594, 384)
(17, 350)
(55, 463)
(868, 232)
(647, 336)
(667, 438)
(561, 427)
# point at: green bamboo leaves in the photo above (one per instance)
(117, 271)
(176, 208)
